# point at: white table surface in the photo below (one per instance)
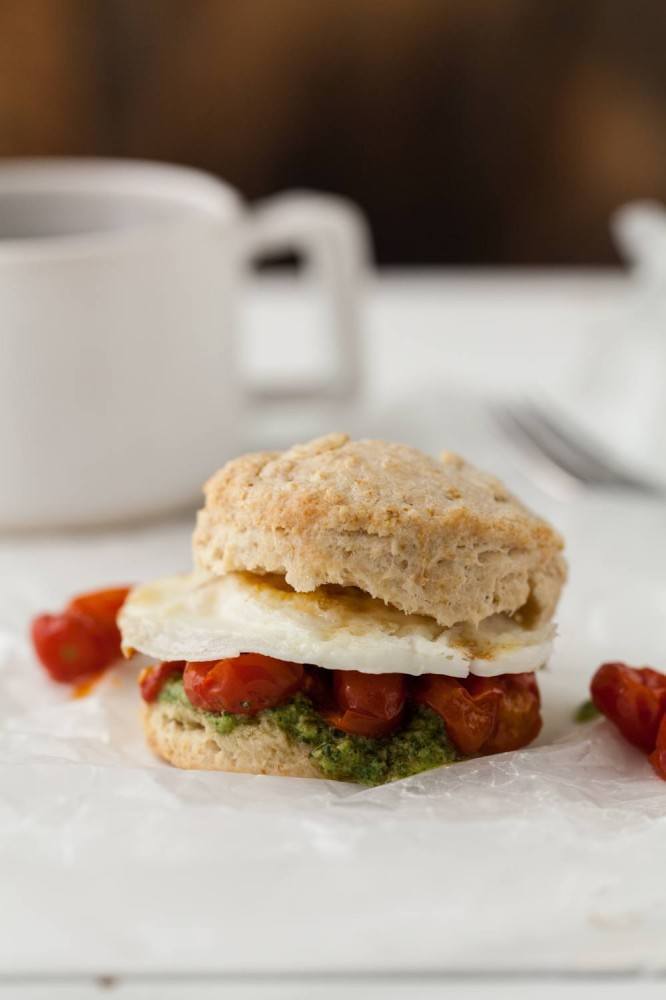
(438, 347)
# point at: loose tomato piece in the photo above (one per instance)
(69, 646)
(518, 719)
(102, 607)
(633, 699)
(244, 685)
(653, 679)
(82, 640)
(153, 679)
(469, 717)
(368, 704)
(658, 756)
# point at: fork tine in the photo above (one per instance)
(572, 456)
(517, 426)
(596, 468)
(587, 466)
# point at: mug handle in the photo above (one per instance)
(332, 237)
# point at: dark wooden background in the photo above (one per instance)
(471, 131)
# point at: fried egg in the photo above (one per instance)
(195, 617)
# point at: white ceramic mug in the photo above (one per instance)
(119, 282)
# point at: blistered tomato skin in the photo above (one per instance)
(69, 646)
(484, 714)
(469, 718)
(358, 724)
(244, 685)
(367, 704)
(153, 679)
(658, 756)
(634, 699)
(101, 605)
(518, 721)
(81, 640)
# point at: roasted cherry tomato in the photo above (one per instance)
(102, 607)
(518, 719)
(69, 646)
(83, 639)
(634, 699)
(658, 756)
(318, 686)
(153, 679)
(357, 724)
(367, 704)
(469, 717)
(243, 685)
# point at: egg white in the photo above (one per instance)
(192, 617)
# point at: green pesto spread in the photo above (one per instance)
(586, 712)
(419, 745)
(173, 693)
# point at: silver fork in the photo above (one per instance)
(567, 451)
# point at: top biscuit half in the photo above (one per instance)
(427, 536)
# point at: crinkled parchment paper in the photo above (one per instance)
(550, 858)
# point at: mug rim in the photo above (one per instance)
(204, 193)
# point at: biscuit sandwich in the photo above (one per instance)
(357, 611)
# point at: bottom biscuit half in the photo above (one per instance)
(187, 740)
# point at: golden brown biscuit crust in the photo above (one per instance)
(433, 537)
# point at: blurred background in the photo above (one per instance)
(470, 131)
